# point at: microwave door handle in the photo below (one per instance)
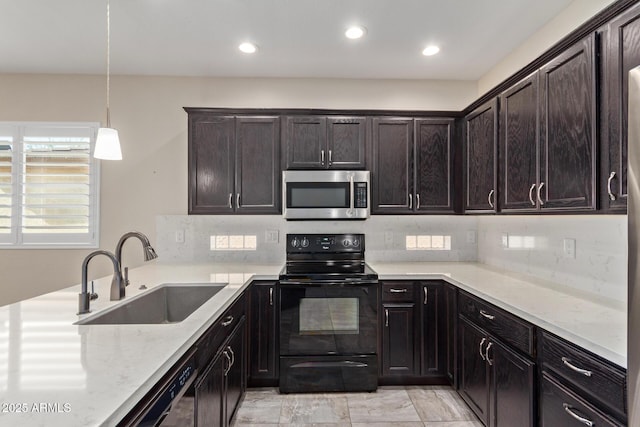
(352, 188)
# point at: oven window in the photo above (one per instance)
(318, 195)
(321, 316)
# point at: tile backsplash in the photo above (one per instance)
(184, 238)
(582, 253)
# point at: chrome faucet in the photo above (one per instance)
(117, 285)
(149, 252)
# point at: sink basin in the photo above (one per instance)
(168, 303)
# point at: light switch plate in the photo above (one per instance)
(471, 237)
(179, 236)
(271, 236)
(569, 248)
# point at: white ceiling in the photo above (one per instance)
(296, 38)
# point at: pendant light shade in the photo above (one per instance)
(107, 142)
(107, 145)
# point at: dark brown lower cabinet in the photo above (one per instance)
(398, 337)
(263, 335)
(495, 381)
(220, 387)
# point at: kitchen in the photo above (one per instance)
(147, 191)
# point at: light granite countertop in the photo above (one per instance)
(55, 373)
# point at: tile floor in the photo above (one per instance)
(410, 406)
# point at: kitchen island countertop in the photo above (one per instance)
(56, 373)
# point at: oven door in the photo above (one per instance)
(328, 319)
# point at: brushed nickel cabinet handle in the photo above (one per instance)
(481, 344)
(487, 315)
(417, 201)
(228, 368)
(227, 321)
(568, 409)
(330, 159)
(230, 200)
(410, 201)
(489, 198)
(611, 195)
(322, 157)
(538, 193)
(238, 201)
(386, 315)
(486, 354)
(398, 291)
(271, 296)
(426, 294)
(573, 367)
(533, 202)
(233, 355)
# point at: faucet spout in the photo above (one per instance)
(117, 285)
(147, 249)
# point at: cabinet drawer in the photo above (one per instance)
(211, 340)
(397, 291)
(511, 329)
(559, 407)
(594, 378)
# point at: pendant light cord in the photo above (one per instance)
(108, 63)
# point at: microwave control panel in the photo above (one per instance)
(360, 196)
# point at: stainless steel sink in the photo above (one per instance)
(168, 303)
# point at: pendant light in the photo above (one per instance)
(107, 142)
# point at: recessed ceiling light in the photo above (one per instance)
(248, 47)
(430, 50)
(355, 32)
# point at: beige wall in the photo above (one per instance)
(578, 12)
(152, 178)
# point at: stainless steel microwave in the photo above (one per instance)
(325, 194)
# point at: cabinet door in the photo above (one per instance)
(481, 136)
(306, 142)
(519, 146)
(211, 163)
(346, 142)
(434, 164)
(392, 169)
(209, 393)
(433, 360)
(621, 55)
(568, 129)
(263, 336)
(474, 373)
(398, 339)
(451, 307)
(513, 388)
(257, 165)
(236, 379)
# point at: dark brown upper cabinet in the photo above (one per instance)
(319, 142)
(568, 129)
(434, 165)
(518, 151)
(412, 165)
(234, 164)
(481, 140)
(621, 47)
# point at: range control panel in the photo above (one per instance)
(325, 243)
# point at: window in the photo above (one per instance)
(48, 185)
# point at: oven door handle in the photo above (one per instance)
(336, 364)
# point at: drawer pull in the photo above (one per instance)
(481, 352)
(575, 368)
(227, 321)
(583, 420)
(398, 291)
(487, 315)
(486, 354)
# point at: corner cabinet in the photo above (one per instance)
(621, 47)
(481, 139)
(412, 169)
(263, 334)
(568, 131)
(324, 142)
(234, 164)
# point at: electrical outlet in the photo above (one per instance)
(180, 236)
(471, 237)
(271, 236)
(569, 248)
